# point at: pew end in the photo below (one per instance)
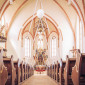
(78, 71)
(61, 72)
(70, 62)
(3, 70)
(8, 62)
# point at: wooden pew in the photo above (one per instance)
(17, 66)
(51, 71)
(61, 72)
(29, 71)
(8, 62)
(78, 71)
(21, 72)
(3, 70)
(57, 72)
(26, 71)
(48, 71)
(70, 62)
(32, 71)
(24, 67)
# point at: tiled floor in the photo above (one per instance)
(39, 80)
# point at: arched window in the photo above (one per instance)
(27, 47)
(54, 46)
(3, 20)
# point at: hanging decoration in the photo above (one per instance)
(40, 13)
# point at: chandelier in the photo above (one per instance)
(40, 13)
(40, 26)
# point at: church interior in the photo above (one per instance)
(42, 42)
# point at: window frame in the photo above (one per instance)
(53, 46)
(27, 47)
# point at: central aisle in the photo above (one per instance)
(39, 80)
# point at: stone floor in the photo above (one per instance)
(39, 80)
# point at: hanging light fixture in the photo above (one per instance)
(11, 1)
(40, 13)
(41, 26)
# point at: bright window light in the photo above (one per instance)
(27, 47)
(54, 46)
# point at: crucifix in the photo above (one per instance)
(73, 51)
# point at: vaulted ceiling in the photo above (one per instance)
(61, 17)
(19, 14)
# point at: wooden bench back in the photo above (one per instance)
(3, 70)
(22, 72)
(78, 70)
(17, 66)
(57, 71)
(82, 66)
(61, 72)
(24, 67)
(8, 62)
(70, 62)
(26, 71)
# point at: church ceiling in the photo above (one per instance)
(24, 9)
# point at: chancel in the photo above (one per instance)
(42, 42)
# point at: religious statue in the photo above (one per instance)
(40, 57)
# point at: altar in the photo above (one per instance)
(40, 59)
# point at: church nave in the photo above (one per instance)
(42, 42)
(39, 80)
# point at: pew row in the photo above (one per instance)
(78, 71)
(69, 72)
(13, 72)
(53, 71)
(61, 72)
(3, 70)
(16, 65)
(57, 72)
(8, 62)
(22, 72)
(70, 62)
(26, 71)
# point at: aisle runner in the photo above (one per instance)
(39, 80)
